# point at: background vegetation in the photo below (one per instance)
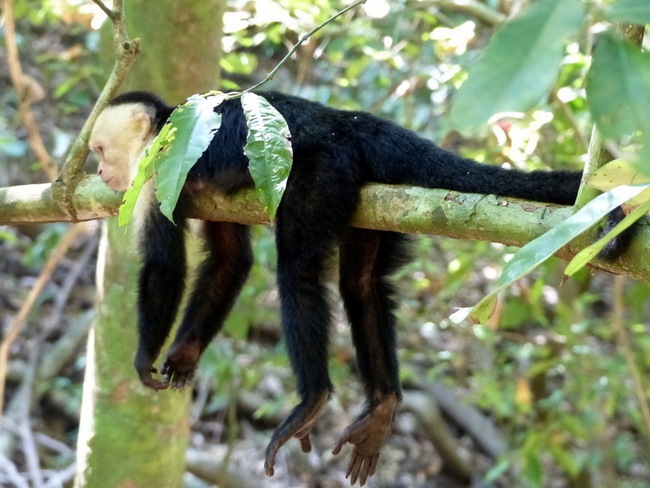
(549, 379)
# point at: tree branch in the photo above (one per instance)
(25, 89)
(409, 210)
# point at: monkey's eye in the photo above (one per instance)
(99, 150)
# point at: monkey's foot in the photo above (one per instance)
(367, 435)
(145, 369)
(181, 363)
(298, 424)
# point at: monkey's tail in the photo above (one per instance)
(617, 246)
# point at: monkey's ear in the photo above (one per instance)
(142, 125)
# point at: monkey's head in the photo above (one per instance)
(122, 132)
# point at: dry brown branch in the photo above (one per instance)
(26, 89)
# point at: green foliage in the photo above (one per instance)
(535, 252)
(174, 151)
(629, 11)
(268, 149)
(519, 66)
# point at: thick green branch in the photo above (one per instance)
(383, 207)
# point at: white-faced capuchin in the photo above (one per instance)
(335, 153)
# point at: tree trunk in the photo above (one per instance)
(130, 436)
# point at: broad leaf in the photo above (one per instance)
(618, 88)
(620, 172)
(629, 11)
(539, 250)
(518, 67)
(268, 149)
(196, 123)
(145, 172)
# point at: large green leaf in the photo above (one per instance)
(145, 172)
(173, 152)
(518, 67)
(268, 149)
(196, 123)
(630, 11)
(618, 88)
(539, 250)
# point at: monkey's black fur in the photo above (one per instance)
(335, 153)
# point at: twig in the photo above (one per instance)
(109, 13)
(11, 473)
(26, 434)
(302, 39)
(22, 88)
(126, 51)
(14, 329)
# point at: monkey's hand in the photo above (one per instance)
(181, 362)
(298, 424)
(145, 369)
(367, 435)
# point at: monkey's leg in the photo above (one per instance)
(367, 258)
(310, 220)
(160, 289)
(219, 281)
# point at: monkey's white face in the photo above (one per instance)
(119, 138)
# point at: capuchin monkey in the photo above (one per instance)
(335, 153)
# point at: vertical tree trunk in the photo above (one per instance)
(130, 436)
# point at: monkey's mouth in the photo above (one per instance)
(111, 183)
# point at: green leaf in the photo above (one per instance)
(519, 66)
(588, 253)
(629, 11)
(196, 123)
(539, 250)
(620, 172)
(145, 172)
(268, 149)
(618, 88)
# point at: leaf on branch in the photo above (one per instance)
(620, 172)
(268, 148)
(539, 250)
(178, 146)
(196, 124)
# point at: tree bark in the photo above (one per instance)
(130, 436)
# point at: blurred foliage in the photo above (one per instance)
(548, 367)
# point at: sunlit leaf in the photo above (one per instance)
(268, 149)
(620, 172)
(145, 172)
(196, 123)
(519, 66)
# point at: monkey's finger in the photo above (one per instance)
(356, 468)
(305, 443)
(373, 464)
(345, 438)
(351, 464)
(369, 465)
